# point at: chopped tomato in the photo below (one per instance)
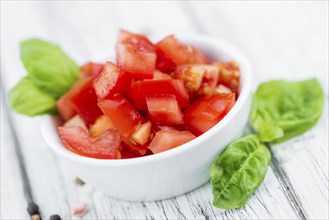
(91, 69)
(164, 109)
(80, 99)
(136, 55)
(191, 75)
(210, 79)
(207, 111)
(101, 124)
(172, 53)
(160, 75)
(142, 133)
(110, 81)
(168, 139)
(84, 100)
(125, 118)
(229, 74)
(141, 89)
(65, 107)
(223, 89)
(76, 121)
(79, 141)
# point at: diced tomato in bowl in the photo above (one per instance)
(156, 97)
(138, 147)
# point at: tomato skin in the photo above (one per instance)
(85, 102)
(163, 63)
(164, 110)
(110, 81)
(172, 53)
(136, 55)
(207, 111)
(91, 69)
(140, 89)
(81, 99)
(168, 139)
(65, 107)
(125, 118)
(79, 141)
(229, 75)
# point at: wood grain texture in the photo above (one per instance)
(86, 28)
(284, 41)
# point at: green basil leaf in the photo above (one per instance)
(238, 171)
(49, 68)
(282, 110)
(28, 100)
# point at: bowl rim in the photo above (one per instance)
(243, 97)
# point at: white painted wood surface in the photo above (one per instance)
(282, 40)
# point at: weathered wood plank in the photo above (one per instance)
(13, 202)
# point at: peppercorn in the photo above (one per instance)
(33, 209)
(55, 217)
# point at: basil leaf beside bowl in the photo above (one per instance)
(238, 171)
(282, 110)
(48, 67)
(28, 100)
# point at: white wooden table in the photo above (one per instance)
(286, 40)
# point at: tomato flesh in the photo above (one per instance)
(85, 101)
(101, 124)
(125, 118)
(168, 139)
(160, 75)
(80, 99)
(91, 69)
(172, 53)
(110, 81)
(136, 55)
(141, 89)
(79, 141)
(164, 109)
(229, 75)
(207, 111)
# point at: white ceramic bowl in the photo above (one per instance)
(172, 172)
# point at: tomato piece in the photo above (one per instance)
(91, 69)
(223, 89)
(101, 124)
(199, 79)
(171, 53)
(160, 75)
(110, 81)
(229, 75)
(164, 63)
(142, 134)
(84, 100)
(207, 111)
(164, 109)
(65, 107)
(125, 118)
(126, 36)
(136, 55)
(76, 121)
(140, 89)
(80, 99)
(168, 139)
(79, 141)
